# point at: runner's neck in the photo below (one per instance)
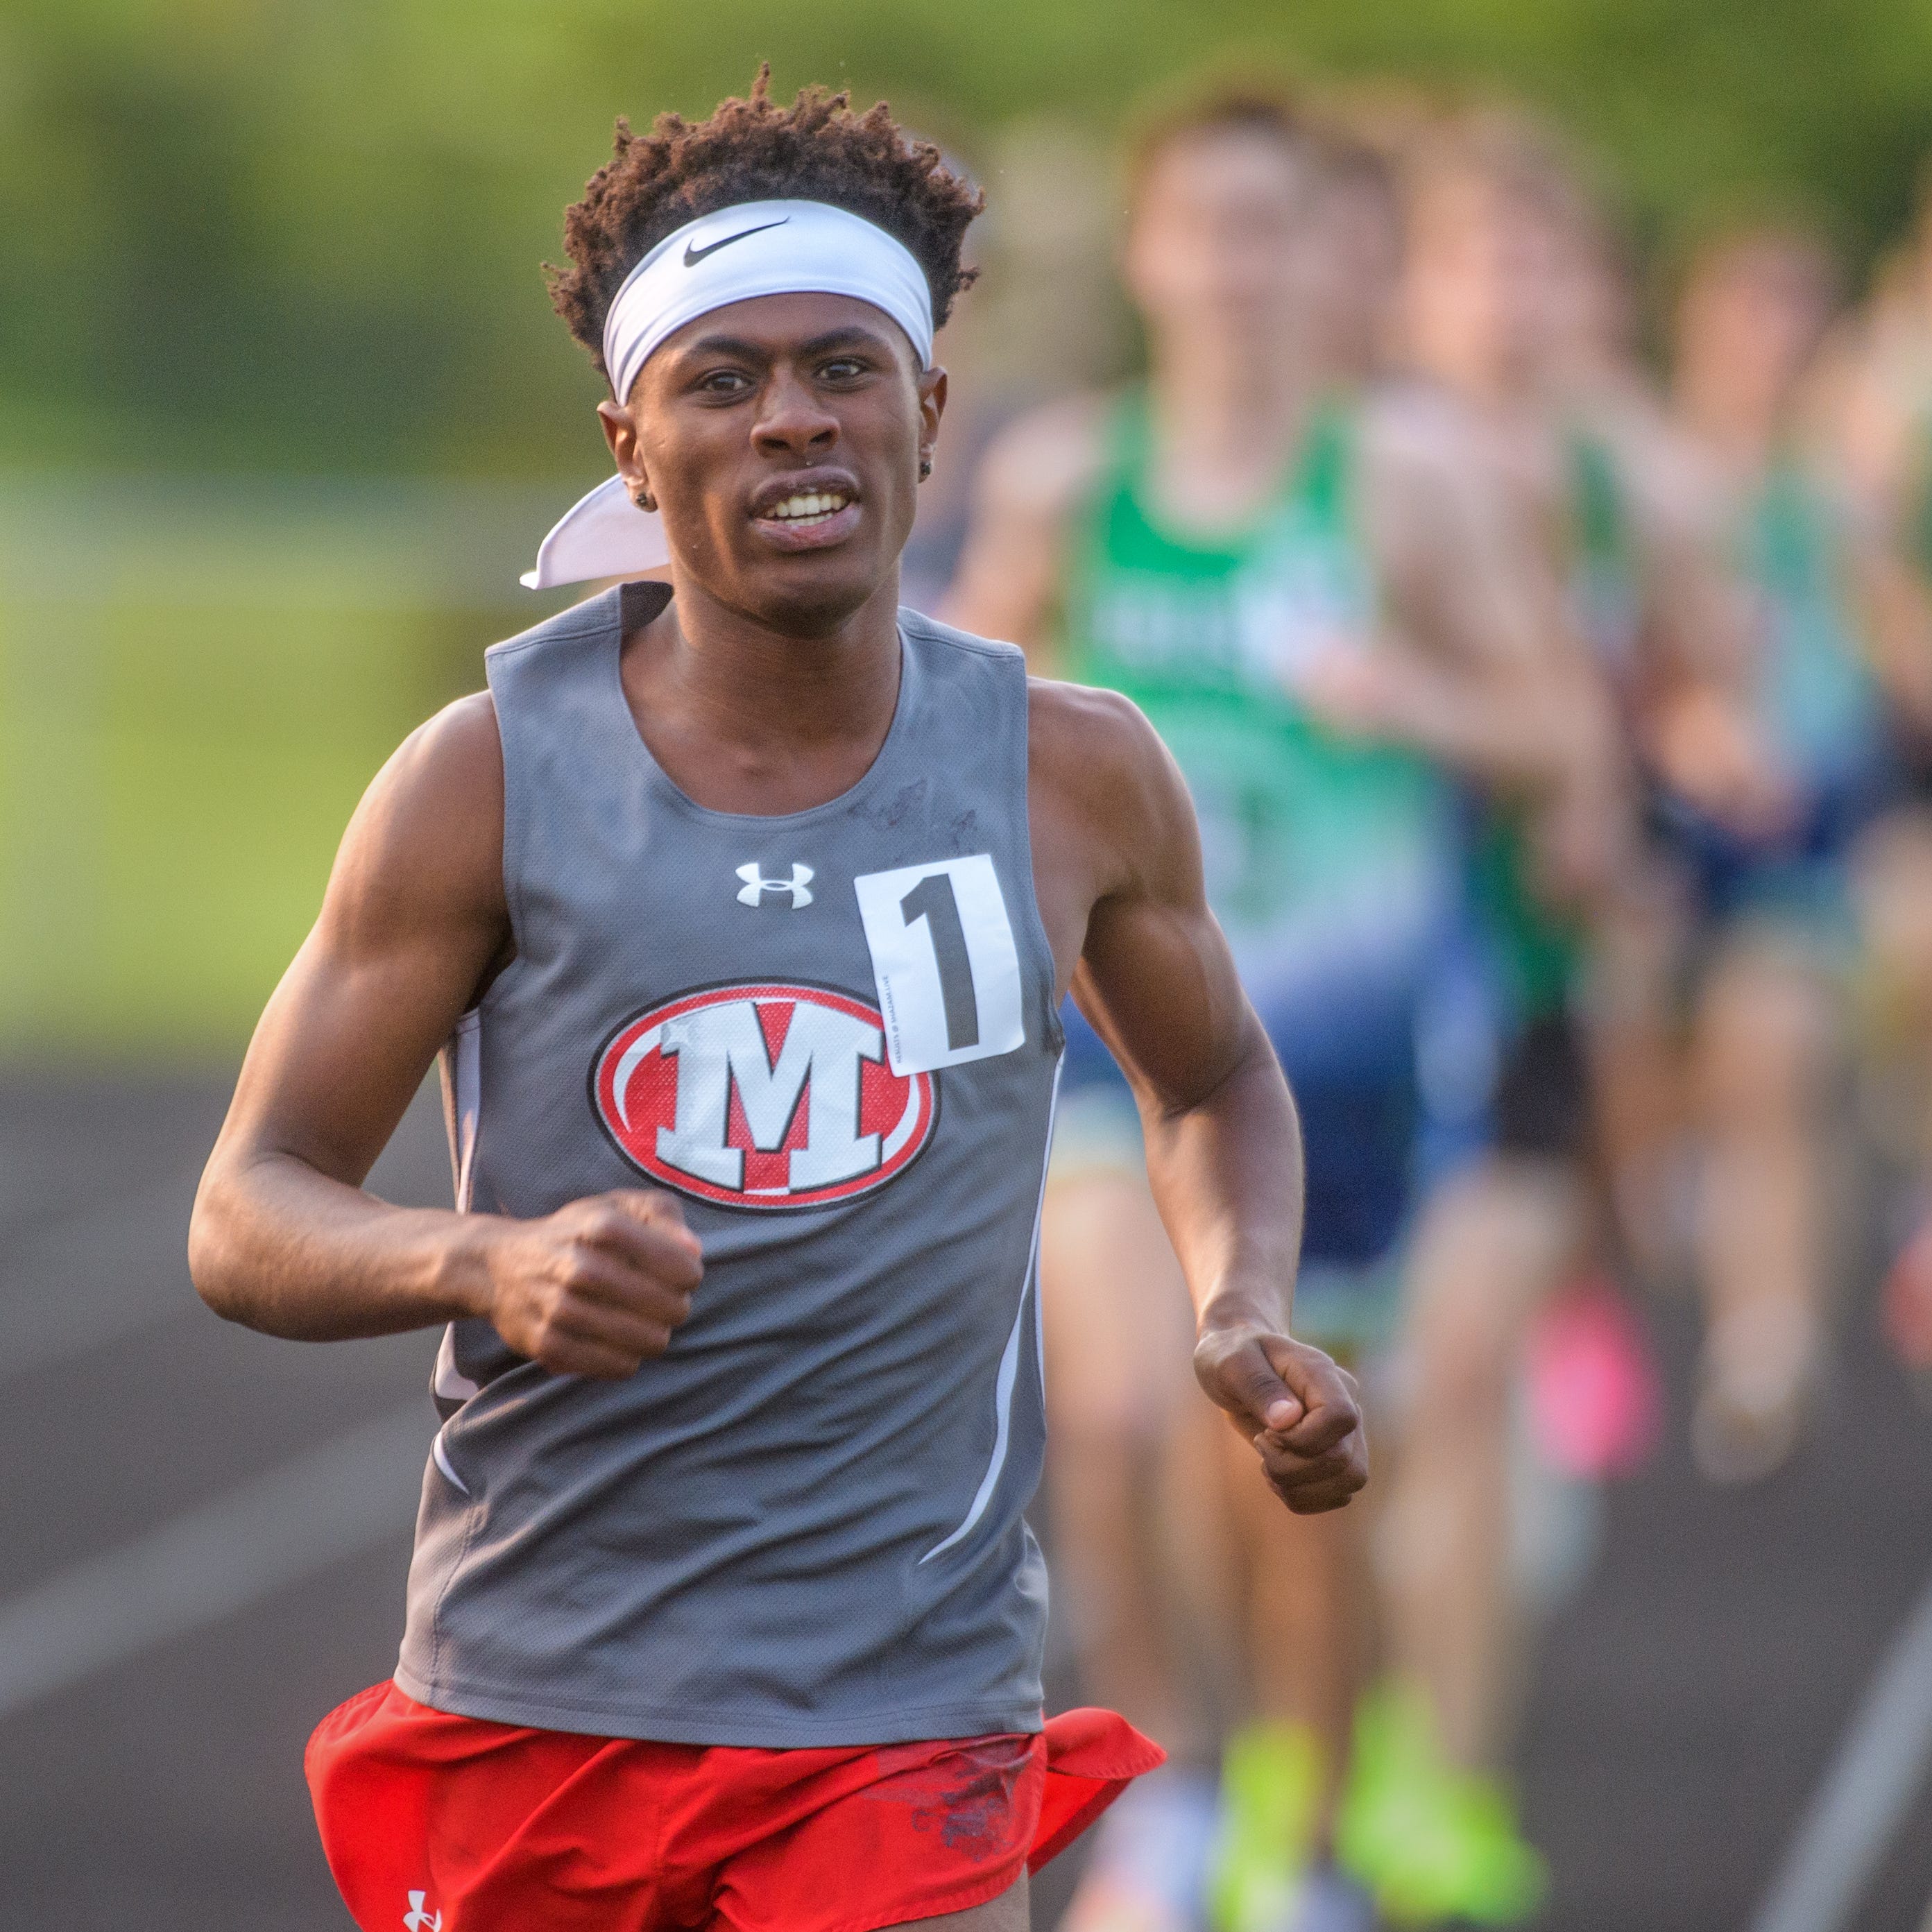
(744, 718)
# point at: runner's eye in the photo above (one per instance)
(844, 369)
(723, 382)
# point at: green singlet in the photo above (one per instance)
(1327, 857)
(1333, 863)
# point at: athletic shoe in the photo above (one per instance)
(1595, 1390)
(1149, 1870)
(1742, 1433)
(1271, 1795)
(1431, 1842)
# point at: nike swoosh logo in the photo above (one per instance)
(692, 257)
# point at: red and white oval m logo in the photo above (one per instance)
(770, 1095)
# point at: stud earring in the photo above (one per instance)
(644, 500)
(924, 467)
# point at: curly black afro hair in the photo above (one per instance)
(817, 149)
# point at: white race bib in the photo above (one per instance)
(944, 960)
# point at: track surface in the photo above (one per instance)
(1684, 1704)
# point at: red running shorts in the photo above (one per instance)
(437, 1823)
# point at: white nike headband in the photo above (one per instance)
(751, 248)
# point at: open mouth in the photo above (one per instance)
(809, 512)
(804, 509)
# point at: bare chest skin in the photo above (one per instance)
(774, 725)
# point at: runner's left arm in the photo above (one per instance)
(1155, 977)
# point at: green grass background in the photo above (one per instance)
(190, 704)
(250, 239)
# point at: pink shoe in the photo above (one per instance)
(1595, 1394)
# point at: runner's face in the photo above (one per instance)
(1483, 270)
(1750, 321)
(1213, 259)
(781, 437)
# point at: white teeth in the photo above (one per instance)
(808, 507)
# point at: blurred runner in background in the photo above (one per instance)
(1300, 574)
(1514, 305)
(1837, 640)
(1509, 313)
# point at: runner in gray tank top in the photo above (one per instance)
(802, 1524)
(741, 907)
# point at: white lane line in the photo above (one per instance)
(1857, 1811)
(304, 1517)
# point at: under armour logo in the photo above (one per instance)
(757, 885)
(417, 1919)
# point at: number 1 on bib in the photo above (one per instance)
(944, 962)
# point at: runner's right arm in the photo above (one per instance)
(284, 1238)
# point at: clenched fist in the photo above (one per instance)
(1301, 1412)
(597, 1288)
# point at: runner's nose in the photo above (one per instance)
(792, 420)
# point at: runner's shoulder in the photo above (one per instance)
(1043, 462)
(428, 833)
(453, 757)
(1429, 479)
(1664, 481)
(1096, 753)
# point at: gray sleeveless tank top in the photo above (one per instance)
(832, 1034)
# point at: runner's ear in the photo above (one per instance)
(931, 404)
